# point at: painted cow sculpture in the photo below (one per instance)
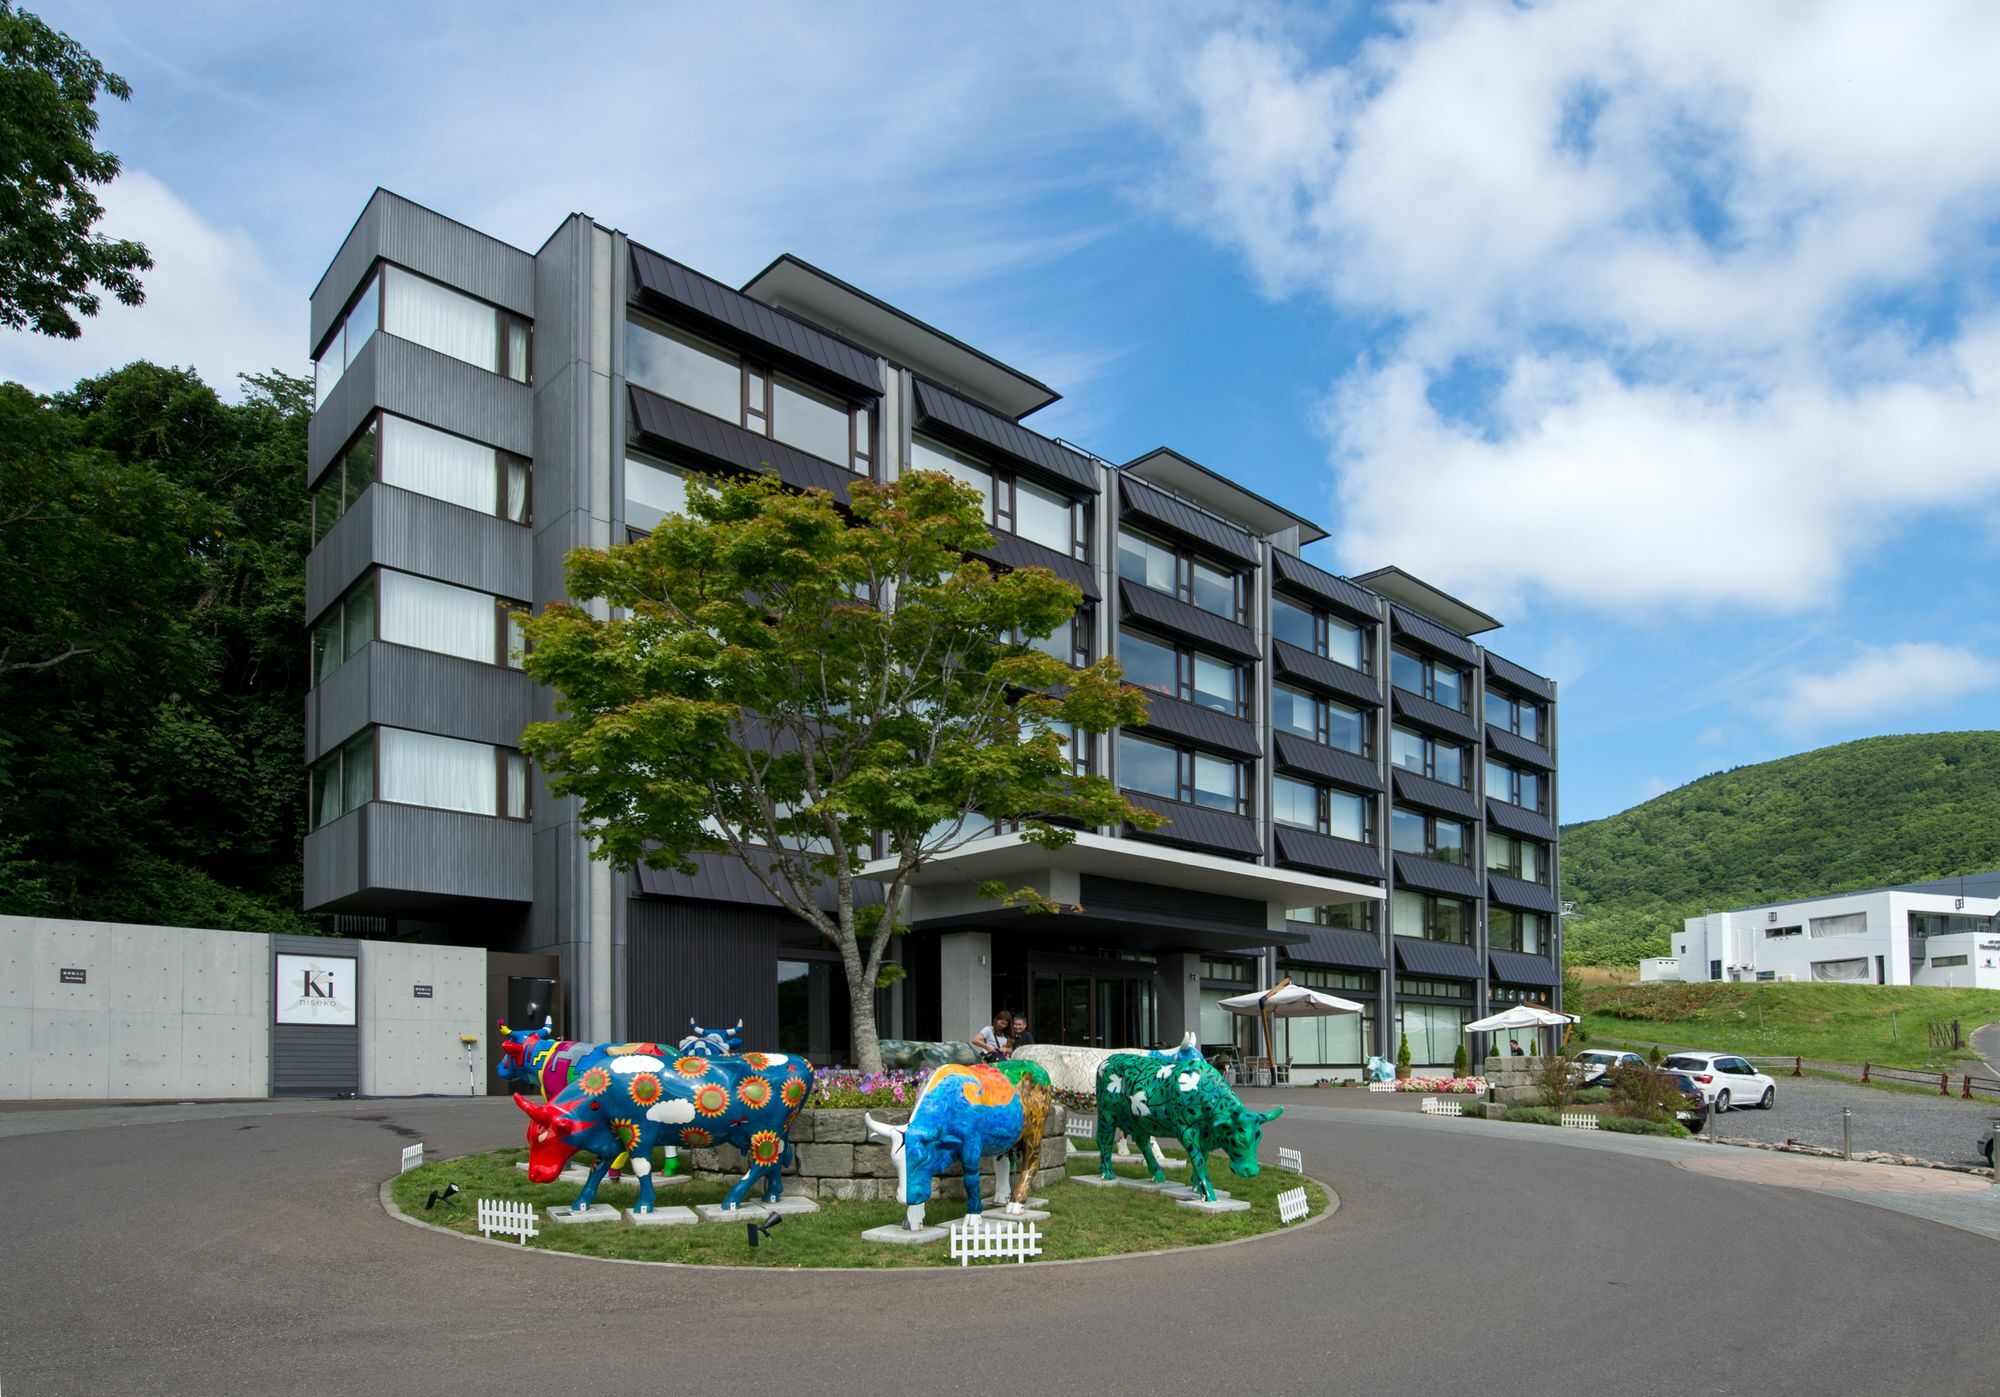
(535, 1057)
(965, 1115)
(629, 1103)
(1183, 1098)
(711, 1042)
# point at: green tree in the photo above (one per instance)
(793, 684)
(1403, 1056)
(50, 254)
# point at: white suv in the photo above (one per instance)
(1724, 1080)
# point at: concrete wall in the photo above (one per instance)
(410, 1046)
(163, 1013)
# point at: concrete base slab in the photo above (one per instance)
(596, 1212)
(1180, 1190)
(896, 1235)
(1025, 1215)
(662, 1217)
(1220, 1205)
(748, 1211)
(1092, 1181)
(1147, 1185)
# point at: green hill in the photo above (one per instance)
(1866, 814)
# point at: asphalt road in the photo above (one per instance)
(246, 1251)
(1944, 1129)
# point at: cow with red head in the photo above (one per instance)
(629, 1103)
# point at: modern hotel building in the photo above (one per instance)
(1360, 796)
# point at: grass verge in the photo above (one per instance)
(1086, 1221)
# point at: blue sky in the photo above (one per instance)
(1668, 335)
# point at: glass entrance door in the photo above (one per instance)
(1094, 1011)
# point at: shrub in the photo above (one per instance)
(1591, 1096)
(1460, 1064)
(1534, 1115)
(1555, 1074)
(1655, 1056)
(1639, 1093)
(1627, 1125)
(1403, 1057)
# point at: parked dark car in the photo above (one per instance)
(1693, 1112)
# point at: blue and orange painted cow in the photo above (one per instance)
(963, 1116)
(628, 1103)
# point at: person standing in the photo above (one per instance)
(1020, 1037)
(994, 1041)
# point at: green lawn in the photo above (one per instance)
(1884, 1024)
(1085, 1221)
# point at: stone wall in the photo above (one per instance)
(836, 1157)
(1511, 1081)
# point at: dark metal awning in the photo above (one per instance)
(1443, 959)
(1514, 968)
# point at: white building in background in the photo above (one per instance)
(1943, 933)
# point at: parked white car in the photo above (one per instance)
(1725, 1081)
(1594, 1063)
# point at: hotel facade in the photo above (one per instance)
(1359, 795)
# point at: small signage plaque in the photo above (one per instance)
(423, 991)
(72, 976)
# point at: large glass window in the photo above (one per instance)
(355, 329)
(1178, 774)
(1509, 930)
(1147, 563)
(1149, 663)
(437, 616)
(1428, 678)
(1043, 516)
(1218, 782)
(1193, 675)
(1295, 712)
(1336, 1040)
(1014, 504)
(447, 773)
(1295, 803)
(1432, 918)
(1295, 624)
(1309, 629)
(1427, 756)
(351, 472)
(813, 422)
(1217, 683)
(1214, 589)
(1435, 1031)
(1307, 715)
(347, 625)
(453, 469)
(341, 781)
(1514, 786)
(1180, 574)
(1411, 832)
(1517, 858)
(1521, 717)
(930, 456)
(1150, 767)
(429, 313)
(689, 370)
(1355, 916)
(653, 490)
(1310, 806)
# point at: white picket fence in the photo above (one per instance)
(1433, 1107)
(413, 1158)
(1381, 1086)
(1292, 1205)
(507, 1218)
(1291, 1159)
(1081, 1127)
(988, 1241)
(1579, 1120)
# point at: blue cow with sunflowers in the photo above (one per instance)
(627, 1103)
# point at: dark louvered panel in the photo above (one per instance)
(1170, 614)
(1329, 676)
(1514, 968)
(1435, 876)
(1356, 603)
(1416, 709)
(1297, 754)
(1121, 897)
(1509, 675)
(1196, 827)
(1424, 632)
(1013, 551)
(1412, 789)
(1519, 749)
(1442, 959)
(1517, 892)
(704, 961)
(1322, 853)
(938, 407)
(1205, 531)
(1513, 819)
(722, 877)
(1202, 726)
(1332, 945)
(708, 442)
(666, 284)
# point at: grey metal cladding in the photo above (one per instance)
(415, 533)
(667, 284)
(1311, 758)
(1434, 876)
(1124, 898)
(393, 229)
(1517, 820)
(385, 855)
(973, 424)
(1322, 853)
(1517, 968)
(1445, 959)
(1335, 945)
(720, 877)
(1422, 631)
(1517, 892)
(1202, 726)
(1417, 709)
(691, 960)
(417, 382)
(396, 686)
(1511, 676)
(1182, 619)
(315, 1059)
(679, 430)
(332, 861)
(1195, 827)
(1013, 551)
(1518, 749)
(1414, 789)
(1203, 530)
(1328, 675)
(1357, 603)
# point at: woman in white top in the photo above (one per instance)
(993, 1041)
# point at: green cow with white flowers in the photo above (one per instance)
(1181, 1097)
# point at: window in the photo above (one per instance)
(1508, 930)
(1338, 1040)
(426, 461)
(1315, 631)
(341, 781)
(1772, 933)
(1436, 758)
(356, 328)
(722, 383)
(1516, 787)
(1180, 574)
(1432, 918)
(448, 620)
(1945, 962)
(447, 773)
(1432, 679)
(1518, 716)
(1433, 836)
(1044, 517)
(653, 490)
(1177, 774)
(352, 471)
(1517, 858)
(1308, 806)
(1436, 1031)
(1355, 916)
(1182, 672)
(347, 625)
(1235, 971)
(429, 313)
(1319, 720)
(1846, 924)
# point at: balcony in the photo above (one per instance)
(385, 858)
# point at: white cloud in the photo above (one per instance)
(675, 1110)
(1881, 683)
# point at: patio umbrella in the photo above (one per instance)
(1286, 1000)
(1521, 1016)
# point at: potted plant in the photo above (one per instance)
(1403, 1059)
(1461, 1065)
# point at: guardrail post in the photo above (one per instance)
(1864, 1074)
(1798, 1064)
(1966, 1095)
(1944, 1084)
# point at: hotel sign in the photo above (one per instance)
(315, 990)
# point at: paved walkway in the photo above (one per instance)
(1986, 1042)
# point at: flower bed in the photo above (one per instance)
(1443, 1086)
(850, 1088)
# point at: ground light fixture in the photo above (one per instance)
(444, 1195)
(753, 1230)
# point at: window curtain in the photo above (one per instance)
(1334, 1041)
(1856, 969)
(1434, 1030)
(438, 616)
(1847, 924)
(440, 318)
(439, 464)
(1218, 1025)
(441, 772)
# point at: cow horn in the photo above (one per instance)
(504, 1028)
(891, 1133)
(1271, 1115)
(539, 1112)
